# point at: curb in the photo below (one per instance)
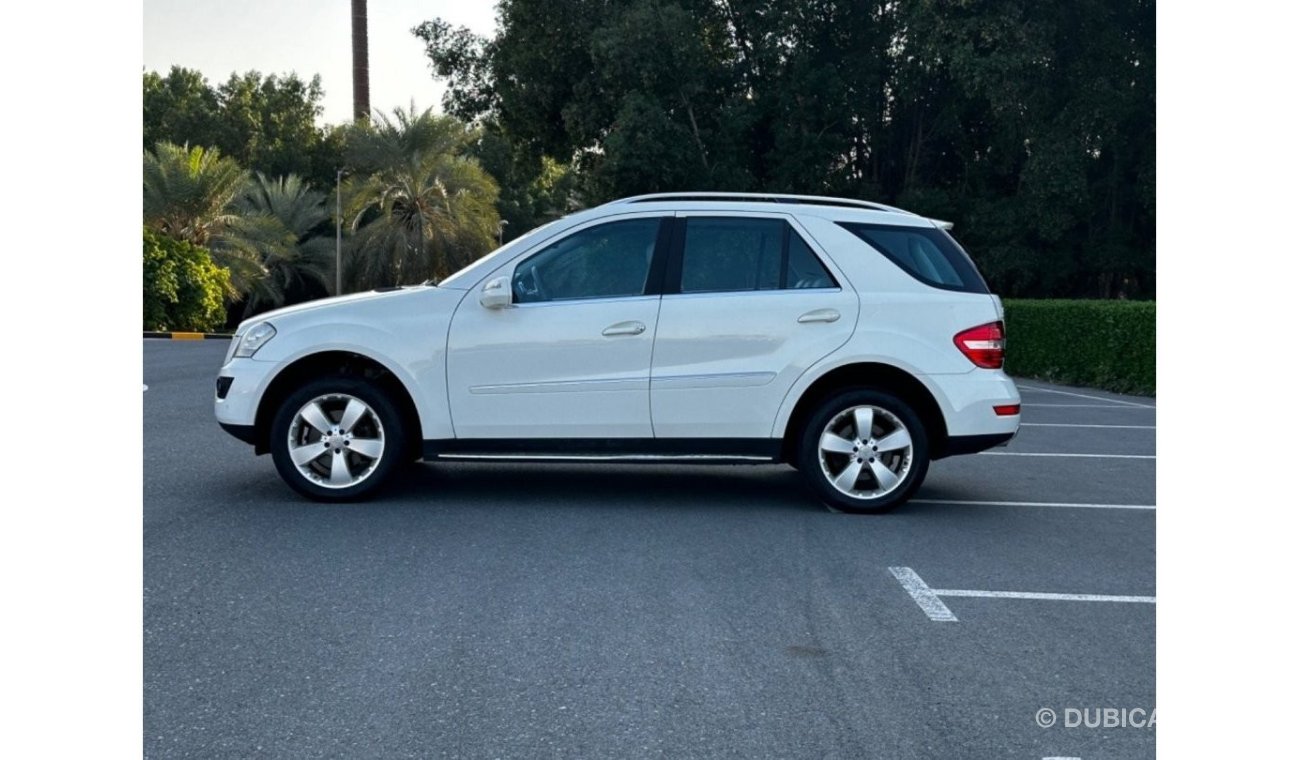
(188, 335)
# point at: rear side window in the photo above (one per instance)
(731, 254)
(727, 254)
(803, 269)
(928, 254)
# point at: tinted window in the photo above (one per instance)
(804, 270)
(722, 254)
(604, 261)
(731, 254)
(928, 254)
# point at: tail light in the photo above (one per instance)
(983, 345)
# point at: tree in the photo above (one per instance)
(281, 241)
(180, 108)
(267, 123)
(360, 62)
(183, 288)
(1037, 140)
(534, 189)
(419, 207)
(188, 191)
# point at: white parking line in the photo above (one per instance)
(1051, 597)
(1082, 395)
(1046, 504)
(931, 605)
(1073, 425)
(928, 598)
(1082, 456)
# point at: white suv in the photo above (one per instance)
(852, 340)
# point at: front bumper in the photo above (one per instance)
(245, 433)
(244, 381)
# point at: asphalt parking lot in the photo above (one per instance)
(530, 611)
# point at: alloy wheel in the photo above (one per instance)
(336, 440)
(865, 452)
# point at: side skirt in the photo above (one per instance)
(646, 450)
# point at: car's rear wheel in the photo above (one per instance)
(864, 451)
(337, 439)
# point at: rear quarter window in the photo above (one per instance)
(928, 254)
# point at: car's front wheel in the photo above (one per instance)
(337, 438)
(864, 451)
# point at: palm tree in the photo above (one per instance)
(360, 63)
(419, 208)
(277, 242)
(188, 191)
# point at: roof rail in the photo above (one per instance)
(817, 200)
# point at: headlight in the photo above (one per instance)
(255, 338)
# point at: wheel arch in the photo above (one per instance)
(877, 375)
(334, 363)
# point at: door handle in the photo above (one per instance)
(819, 315)
(624, 328)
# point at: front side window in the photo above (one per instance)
(726, 254)
(605, 261)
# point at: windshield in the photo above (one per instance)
(465, 278)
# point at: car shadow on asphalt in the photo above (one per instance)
(633, 486)
(463, 486)
(472, 486)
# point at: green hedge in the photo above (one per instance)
(1100, 344)
(183, 289)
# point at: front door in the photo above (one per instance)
(570, 356)
(748, 305)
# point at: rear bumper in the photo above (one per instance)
(968, 402)
(973, 444)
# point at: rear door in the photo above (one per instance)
(749, 303)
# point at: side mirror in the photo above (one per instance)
(495, 294)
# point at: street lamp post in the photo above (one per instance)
(501, 231)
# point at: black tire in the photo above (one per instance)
(386, 423)
(819, 477)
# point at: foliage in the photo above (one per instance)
(183, 288)
(180, 108)
(1038, 141)
(188, 191)
(271, 236)
(534, 190)
(267, 123)
(1101, 344)
(280, 243)
(419, 206)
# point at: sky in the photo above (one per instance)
(218, 37)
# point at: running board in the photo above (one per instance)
(613, 450)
